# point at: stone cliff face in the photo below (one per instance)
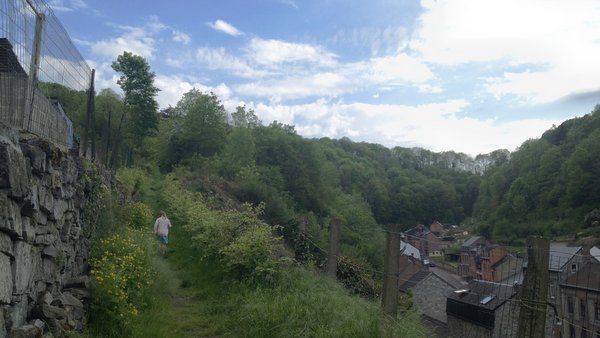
(44, 237)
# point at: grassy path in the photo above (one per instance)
(181, 309)
(193, 300)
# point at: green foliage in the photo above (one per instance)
(121, 280)
(239, 154)
(138, 216)
(306, 305)
(243, 118)
(238, 238)
(74, 103)
(355, 278)
(202, 127)
(548, 185)
(252, 253)
(109, 110)
(137, 82)
(135, 181)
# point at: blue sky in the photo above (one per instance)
(462, 75)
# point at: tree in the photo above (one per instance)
(137, 83)
(109, 108)
(204, 121)
(244, 118)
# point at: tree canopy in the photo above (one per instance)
(137, 82)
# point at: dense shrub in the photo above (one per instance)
(136, 182)
(138, 216)
(121, 280)
(239, 239)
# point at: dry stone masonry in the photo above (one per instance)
(44, 239)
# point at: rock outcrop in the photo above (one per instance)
(44, 237)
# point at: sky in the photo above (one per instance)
(461, 75)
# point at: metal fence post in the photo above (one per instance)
(33, 67)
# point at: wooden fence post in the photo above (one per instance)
(532, 317)
(389, 297)
(334, 240)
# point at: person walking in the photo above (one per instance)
(161, 230)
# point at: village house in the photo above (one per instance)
(430, 288)
(563, 261)
(437, 228)
(425, 241)
(429, 285)
(409, 262)
(580, 306)
(482, 261)
(470, 252)
(508, 270)
(483, 309)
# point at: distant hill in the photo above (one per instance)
(549, 186)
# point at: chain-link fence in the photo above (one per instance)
(36, 52)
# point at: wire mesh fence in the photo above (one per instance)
(36, 53)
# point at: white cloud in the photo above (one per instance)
(559, 37)
(219, 59)
(302, 86)
(399, 68)
(181, 37)
(172, 88)
(381, 41)
(67, 5)
(290, 3)
(304, 82)
(105, 76)
(276, 52)
(224, 27)
(435, 126)
(137, 40)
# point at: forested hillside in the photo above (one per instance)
(363, 185)
(550, 185)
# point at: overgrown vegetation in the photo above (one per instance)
(122, 279)
(239, 239)
(230, 281)
(254, 202)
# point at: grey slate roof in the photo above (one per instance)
(478, 290)
(409, 250)
(414, 280)
(471, 241)
(452, 279)
(586, 278)
(560, 255)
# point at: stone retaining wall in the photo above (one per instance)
(44, 241)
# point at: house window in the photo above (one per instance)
(570, 305)
(571, 331)
(584, 333)
(582, 309)
(597, 312)
(574, 267)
